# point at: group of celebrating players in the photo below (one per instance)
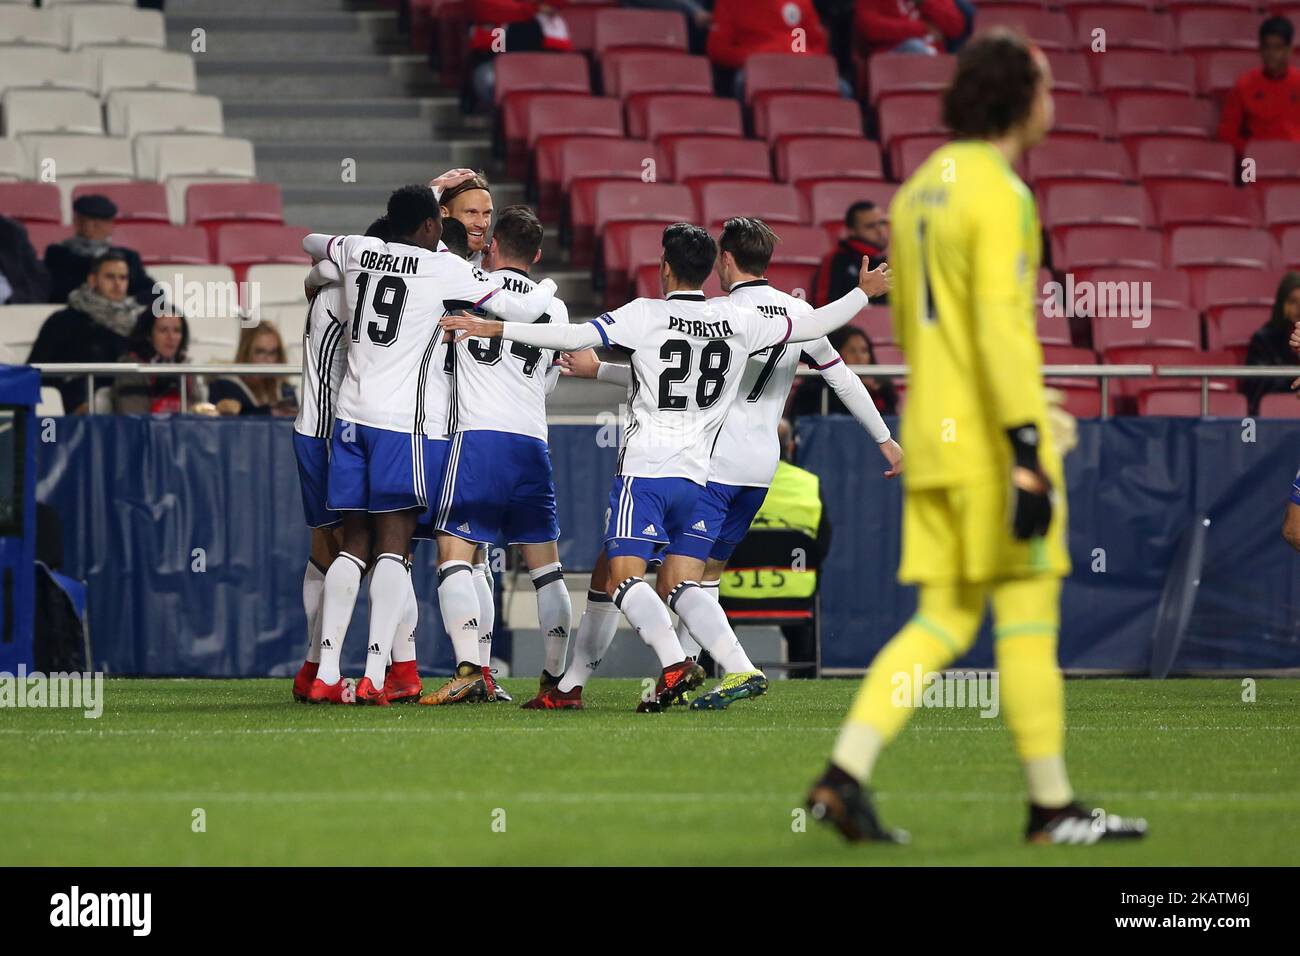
(427, 366)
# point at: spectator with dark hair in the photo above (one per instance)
(742, 28)
(260, 394)
(525, 25)
(23, 279)
(93, 328)
(854, 346)
(1270, 345)
(69, 261)
(911, 26)
(868, 235)
(162, 339)
(1264, 103)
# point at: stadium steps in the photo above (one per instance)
(315, 33)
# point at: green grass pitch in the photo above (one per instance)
(284, 783)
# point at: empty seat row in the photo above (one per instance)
(28, 112)
(76, 26)
(97, 71)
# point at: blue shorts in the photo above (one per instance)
(313, 456)
(1295, 490)
(498, 486)
(647, 513)
(435, 461)
(376, 470)
(720, 521)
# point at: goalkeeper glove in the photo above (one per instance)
(1031, 492)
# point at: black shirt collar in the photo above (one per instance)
(747, 285)
(688, 296)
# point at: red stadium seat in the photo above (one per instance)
(1071, 4)
(1290, 248)
(1180, 8)
(1279, 405)
(827, 202)
(646, 285)
(581, 21)
(31, 202)
(1096, 204)
(1216, 73)
(213, 205)
(42, 234)
(1143, 114)
(769, 74)
(1049, 29)
(1220, 288)
(911, 115)
(792, 277)
(796, 114)
(807, 159)
(891, 74)
(136, 202)
(1125, 71)
(1174, 160)
(1168, 328)
(640, 91)
(1132, 387)
(638, 105)
(639, 29)
(1205, 204)
(1082, 396)
(1054, 329)
(673, 115)
(635, 72)
(1232, 328)
(1186, 403)
(772, 202)
(624, 251)
(167, 243)
(1080, 116)
(1204, 247)
(1217, 30)
(562, 161)
(1276, 161)
(1167, 289)
(240, 246)
(1068, 355)
(1281, 207)
(1070, 73)
(1063, 161)
(642, 202)
(1126, 28)
(878, 323)
(696, 160)
(800, 245)
(540, 73)
(528, 118)
(1103, 246)
(911, 153)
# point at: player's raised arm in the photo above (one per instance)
(857, 400)
(562, 338)
(830, 317)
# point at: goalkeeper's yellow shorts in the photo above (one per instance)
(963, 534)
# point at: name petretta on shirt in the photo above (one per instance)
(387, 262)
(703, 330)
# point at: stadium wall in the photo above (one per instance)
(190, 536)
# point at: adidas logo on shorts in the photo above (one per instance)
(464, 528)
(649, 529)
(699, 526)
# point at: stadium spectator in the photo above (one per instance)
(69, 261)
(260, 394)
(23, 279)
(1270, 345)
(855, 348)
(868, 235)
(529, 26)
(162, 340)
(698, 13)
(1264, 103)
(742, 28)
(93, 328)
(913, 26)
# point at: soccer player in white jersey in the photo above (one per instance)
(498, 475)
(378, 472)
(468, 199)
(747, 451)
(688, 355)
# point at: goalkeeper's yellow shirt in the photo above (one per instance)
(965, 251)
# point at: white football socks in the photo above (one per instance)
(709, 626)
(595, 633)
(649, 615)
(404, 639)
(342, 581)
(458, 602)
(389, 584)
(487, 613)
(313, 591)
(554, 614)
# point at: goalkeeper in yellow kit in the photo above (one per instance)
(984, 507)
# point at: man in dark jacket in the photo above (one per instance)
(868, 235)
(93, 328)
(23, 279)
(69, 261)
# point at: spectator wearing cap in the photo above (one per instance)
(868, 235)
(23, 278)
(1264, 103)
(162, 339)
(68, 262)
(95, 327)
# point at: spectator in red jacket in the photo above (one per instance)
(911, 26)
(1265, 103)
(512, 26)
(742, 28)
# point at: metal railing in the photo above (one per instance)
(1104, 373)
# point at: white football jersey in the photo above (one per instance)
(398, 374)
(500, 386)
(688, 356)
(324, 361)
(748, 448)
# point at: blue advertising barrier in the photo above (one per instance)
(20, 390)
(190, 535)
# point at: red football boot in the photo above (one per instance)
(302, 680)
(402, 685)
(323, 693)
(495, 691)
(368, 693)
(555, 699)
(674, 681)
